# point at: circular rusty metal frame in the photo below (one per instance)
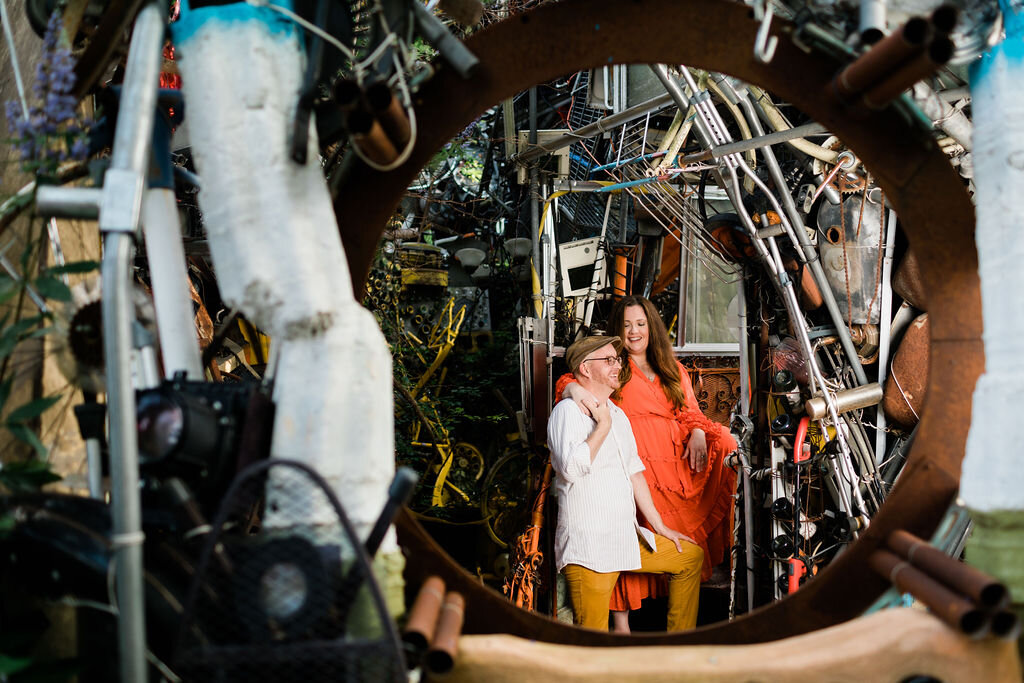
(934, 209)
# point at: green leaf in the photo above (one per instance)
(73, 267)
(8, 289)
(32, 409)
(41, 332)
(7, 524)
(52, 288)
(26, 435)
(27, 476)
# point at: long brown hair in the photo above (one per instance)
(659, 348)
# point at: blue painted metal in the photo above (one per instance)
(191, 20)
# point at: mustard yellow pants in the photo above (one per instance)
(591, 592)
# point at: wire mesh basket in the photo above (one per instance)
(283, 589)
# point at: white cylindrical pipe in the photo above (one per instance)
(992, 476)
(992, 480)
(179, 346)
(279, 259)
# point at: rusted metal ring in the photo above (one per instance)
(934, 209)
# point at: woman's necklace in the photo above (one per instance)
(646, 369)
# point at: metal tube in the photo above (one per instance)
(130, 153)
(907, 74)
(748, 503)
(94, 465)
(955, 610)
(810, 254)
(179, 346)
(419, 630)
(875, 64)
(441, 655)
(538, 253)
(758, 142)
(885, 329)
(983, 589)
(596, 128)
(68, 202)
(872, 21)
(848, 399)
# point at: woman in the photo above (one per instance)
(682, 449)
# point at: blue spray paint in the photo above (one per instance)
(191, 20)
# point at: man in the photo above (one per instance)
(600, 485)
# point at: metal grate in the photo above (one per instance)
(283, 589)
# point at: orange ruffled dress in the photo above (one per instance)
(698, 504)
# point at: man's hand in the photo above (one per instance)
(580, 397)
(674, 536)
(697, 450)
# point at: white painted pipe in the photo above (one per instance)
(279, 259)
(992, 477)
(179, 346)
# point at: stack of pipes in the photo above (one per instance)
(965, 598)
(431, 635)
(374, 118)
(912, 52)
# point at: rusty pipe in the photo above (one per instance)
(954, 609)
(983, 589)
(441, 656)
(943, 19)
(368, 135)
(1005, 625)
(388, 110)
(423, 618)
(921, 66)
(347, 94)
(872, 66)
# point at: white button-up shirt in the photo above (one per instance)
(597, 525)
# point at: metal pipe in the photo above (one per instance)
(538, 253)
(602, 126)
(441, 655)
(983, 589)
(748, 503)
(955, 610)
(810, 254)
(68, 202)
(921, 66)
(874, 65)
(368, 135)
(762, 140)
(872, 21)
(388, 110)
(884, 330)
(848, 399)
(179, 347)
(130, 156)
(419, 630)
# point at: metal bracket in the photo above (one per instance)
(121, 204)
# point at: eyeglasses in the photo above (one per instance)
(610, 360)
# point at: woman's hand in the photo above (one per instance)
(697, 450)
(580, 397)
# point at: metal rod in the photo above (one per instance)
(755, 143)
(596, 128)
(130, 153)
(875, 64)
(9, 37)
(885, 330)
(748, 503)
(872, 21)
(68, 202)
(535, 236)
